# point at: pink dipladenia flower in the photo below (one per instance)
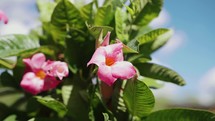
(3, 17)
(110, 62)
(40, 75)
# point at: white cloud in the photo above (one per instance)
(206, 96)
(161, 20)
(14, 27)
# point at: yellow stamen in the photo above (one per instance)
(41, 74)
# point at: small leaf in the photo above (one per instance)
(133, 44)
(181, 115)
(53, 104)
(96, 30)
(159, 72)
(6, 63)
(66, 92)
(138, 98)
(14, 45)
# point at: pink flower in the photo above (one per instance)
(3, 17)
(41, 75)
(110, 62)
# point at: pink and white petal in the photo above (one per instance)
(31, 83)
(50, 83)
(123, 70)
(115, 51)
(28, 64)
(98, 57)
(106, 39)
(3, 17)
(38, 60)
(60, 69)
(105, 75)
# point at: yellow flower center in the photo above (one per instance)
(109, 61)
(41, 74)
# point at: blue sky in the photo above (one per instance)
(190, 51)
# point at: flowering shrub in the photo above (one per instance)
(66, 70)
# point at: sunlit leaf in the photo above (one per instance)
(159, 72)
(150, 11)
(181, 115)
(138, 98)
(13, 45)
(154, 40)
(87, 12)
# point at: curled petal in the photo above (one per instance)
(106, 40)
(104, 74)
(123, 70)
(98, 57)
(3, 17)
(38, 60)
(31, 83)
(115, 51)
(57, 69)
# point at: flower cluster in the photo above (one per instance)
(41, 75)
(110, 62)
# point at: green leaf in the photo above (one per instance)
(159, 72)
(14, 45)
(96, 30)
(138, 98)
(103, 16)
(10, 118)
(53, 104)
(150, 11)
(132, 46)
(151, 83)
(64, 18)
(106, 117)
(181, 115)
(120, 25)
(7, 80)
(87, 12)
(6, 63)
(66, 92)
(46, 8)
(154, 40)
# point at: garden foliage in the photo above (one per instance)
(70, 33)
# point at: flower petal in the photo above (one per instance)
(57, 69)
(115, 51)
(106, 40)
(98, 57)
(104, 74)
(38, 60)
(3, 17)
(31, 83)
(123, 70)
(50, 82)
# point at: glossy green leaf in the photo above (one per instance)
(181, 115)
(154, 40)
(66, 16)
(159, 72)
(138, 98)
(150, 11)
(10, 118)
(46, 8)
(53, 104)
(13, 45)
(152, 83)
(103, 16)
(66, 92)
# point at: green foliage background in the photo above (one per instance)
(70, 33)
